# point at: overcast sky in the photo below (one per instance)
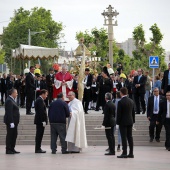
(81, 15)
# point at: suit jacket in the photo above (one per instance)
(150, 107)
(109, 114)
(162, 112)
(30, 83)
(125, 112)
(12, 114)
(4, 85)
(40, 112)
(89, 80)
(50, 80)
(164, 85)
(142, 83)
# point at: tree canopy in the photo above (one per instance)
(36, 19)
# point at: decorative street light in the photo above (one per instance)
(108, 15)
(29, 39)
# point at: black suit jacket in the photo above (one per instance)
(142, 83)
(12, 114)
(40, 112)
(125, 112)
(30, 83)
(164, 85)
(109, 114)
(50, 80)
(150, 107)
(89, 80)
(4, 85)
(162, 112)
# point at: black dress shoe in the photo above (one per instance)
(16, 152)
(74, 152)
(53, 152)
(96, 109)
(40, 151)
(65, 152)
(130, 156)
(9, 152)
(122, 156)
(86, 113)
(151, 140)
(110, 153)
(157, 140)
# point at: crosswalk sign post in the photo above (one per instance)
(153, 63)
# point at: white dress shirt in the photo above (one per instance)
(168, 109)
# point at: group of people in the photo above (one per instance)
(137, 86)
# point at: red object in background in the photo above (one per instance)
(56, 66)
(132, 72)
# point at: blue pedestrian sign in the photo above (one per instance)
(153, 62)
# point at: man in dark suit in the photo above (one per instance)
(40, 120)
(11, 119)
(125, 120)
(87, 90)
(109, 122)
(30, 90)
(4, 82)
(166, 81)
(139, 91)
(164, 118)
(57, 113)
(152, 114)
(50, 84)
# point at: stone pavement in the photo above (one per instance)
(92, 158)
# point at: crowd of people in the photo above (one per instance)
(132, 94)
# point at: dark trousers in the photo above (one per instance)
(11, 137)
(29, 99)
(111, 139)
(152, 127)
(126, 135)
(86, 99)
(140, 98)
(167, 129)
(39, 136)
(58, 129)
(2, 96)
(22, 99)
(50, 95)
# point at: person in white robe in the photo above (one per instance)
(76, 133)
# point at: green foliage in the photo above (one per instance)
(37, 19)
(2, 56)
(144, 50)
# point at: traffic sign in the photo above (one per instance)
(154, 62)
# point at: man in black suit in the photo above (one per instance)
(109, 122)
(11, 119)
(4, 82)
(40, 120)
(57, 113)
(87, 90)
(125, 120)
(50, 84)
(139, 91)
(152, 114)
(30, 90)
(164, 118)
(166, 81)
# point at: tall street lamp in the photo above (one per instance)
(29, 39)
(108, 15)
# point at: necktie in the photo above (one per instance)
(156, 105)
(138, 78)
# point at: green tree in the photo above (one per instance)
(144, 49)
(37, 19)
(2, 56)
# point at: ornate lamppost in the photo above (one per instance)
(108, 15)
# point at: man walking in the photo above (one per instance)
(125, 120)
(109, 122)
(58, 112)
(11, 119)
(40, 120)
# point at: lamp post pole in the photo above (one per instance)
(108, 15)
(29, 40)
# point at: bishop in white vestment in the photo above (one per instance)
(76, 133)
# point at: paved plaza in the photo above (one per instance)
(92, 158)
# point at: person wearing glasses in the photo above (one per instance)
(139, 83)
(152, 114)
(164, 118)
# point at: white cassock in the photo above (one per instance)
(76, 133)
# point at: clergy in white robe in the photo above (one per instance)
(76, 133)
